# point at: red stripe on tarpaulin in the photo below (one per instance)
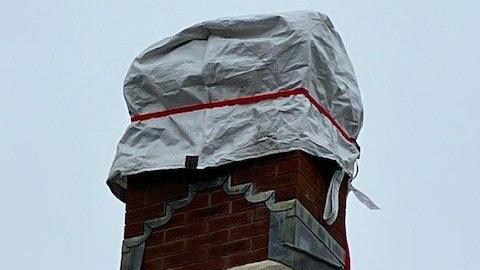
(250, 100)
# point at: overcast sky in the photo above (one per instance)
(62, 113)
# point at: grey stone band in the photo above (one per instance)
(299, 241)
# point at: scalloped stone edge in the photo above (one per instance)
(280, 212)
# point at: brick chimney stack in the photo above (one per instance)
(259, 210)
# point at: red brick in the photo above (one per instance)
(286, 193)
(231, 220)
(167, 193)
(154, 211)
(199, 201)
(305, 197)
(306, 169)
(285, 180)
(249, 230)
(219, 196)
(261, 213)
(135, 201)
(153, 264)
(135, 216)
(185, 231)
(263, 184)
(177, 220)
(247, 257)
(260, 241)
(185, 258)
(254, 173)
(208, 239)
(152, 252)
(229, 248)
(287, 166)
(208, 212)
(133, 229)
(156, 238)
(241, 204)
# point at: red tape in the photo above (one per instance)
(250, 100)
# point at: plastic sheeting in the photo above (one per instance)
(174, 92)
(330, 212)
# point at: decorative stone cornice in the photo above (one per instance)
(295, 236)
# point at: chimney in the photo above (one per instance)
(242, 147)
(268, 208)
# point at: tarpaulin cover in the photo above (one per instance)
(238, 88)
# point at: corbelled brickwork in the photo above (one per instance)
(217, 230)
(297, 175)
(212, 232)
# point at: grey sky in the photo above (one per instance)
(62, 113)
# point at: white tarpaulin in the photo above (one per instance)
(239, 88)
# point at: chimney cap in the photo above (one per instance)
(237, 88)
